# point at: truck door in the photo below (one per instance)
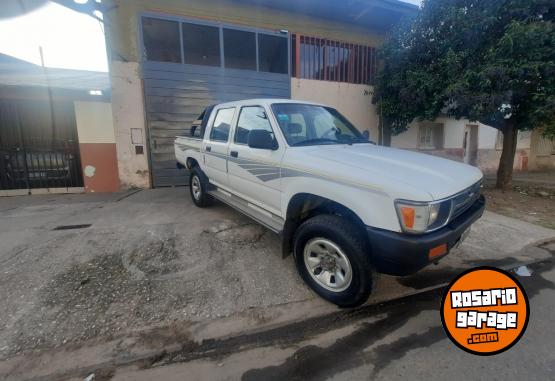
(215, 146)
(254, 174)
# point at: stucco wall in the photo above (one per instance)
(123, 19)
(129, 117)
(97, 146)
(350, 100)
(94, 122)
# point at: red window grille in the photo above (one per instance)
(328, 60)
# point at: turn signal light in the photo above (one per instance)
(437, 251)
(408, 216)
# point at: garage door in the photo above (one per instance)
(188, 66)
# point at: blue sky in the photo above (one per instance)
(69, 39)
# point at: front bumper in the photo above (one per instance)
(403, 254)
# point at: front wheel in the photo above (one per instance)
(197, 187)
(332, 259)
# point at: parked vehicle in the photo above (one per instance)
(345, 207)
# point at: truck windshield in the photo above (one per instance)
(304, 124)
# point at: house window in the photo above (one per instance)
(272, 53)
(222, 124)
(239, 49)
(201, 44)
(161, 40)
(328, 60)
(430, 136)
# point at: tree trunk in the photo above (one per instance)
(385, 137)
(505, 170)
(385, 132)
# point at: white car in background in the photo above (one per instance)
(345, 207)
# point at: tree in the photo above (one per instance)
(491, 61)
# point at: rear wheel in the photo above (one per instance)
(198, 187)
(332, 259)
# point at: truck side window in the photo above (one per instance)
(222, 124)
(251, 118)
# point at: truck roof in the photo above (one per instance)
(265, 101)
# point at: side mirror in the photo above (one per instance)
(366, 135)
(262, 139)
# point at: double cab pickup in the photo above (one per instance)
(345, 207)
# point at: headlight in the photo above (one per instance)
(421, 217)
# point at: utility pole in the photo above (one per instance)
(50, 100)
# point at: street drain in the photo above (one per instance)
(69, 227)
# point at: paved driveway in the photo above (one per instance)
(152, 270)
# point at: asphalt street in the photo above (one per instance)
(399, 340)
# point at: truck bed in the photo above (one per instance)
(187, 142)
(184, 143)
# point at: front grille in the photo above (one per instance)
(464, 200)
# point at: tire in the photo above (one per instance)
(198, 185)
(338, 239)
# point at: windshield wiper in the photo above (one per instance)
(357, 140)
(316, 141)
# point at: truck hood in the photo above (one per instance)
(377, 165)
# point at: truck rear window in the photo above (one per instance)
(199, 125)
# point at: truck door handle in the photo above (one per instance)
(208, 149)
(234, 153)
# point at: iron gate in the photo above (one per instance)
(38, 145)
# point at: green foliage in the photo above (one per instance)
(485, 60)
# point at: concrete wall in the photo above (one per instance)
(129, 125)
(97, 146)
(350, 100)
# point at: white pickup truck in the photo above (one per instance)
(345, 207)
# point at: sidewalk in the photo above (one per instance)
(153, 272)
(544, 179)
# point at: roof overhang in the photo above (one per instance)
(378, 15)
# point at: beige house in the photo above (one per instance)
(171, 58)
(476, 144)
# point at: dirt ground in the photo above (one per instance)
(528, 202)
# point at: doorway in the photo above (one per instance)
(470, 144)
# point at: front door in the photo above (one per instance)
(215, 148)
(254, 174)
(470, 144)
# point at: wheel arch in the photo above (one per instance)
(191, 163)
(303, 206)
